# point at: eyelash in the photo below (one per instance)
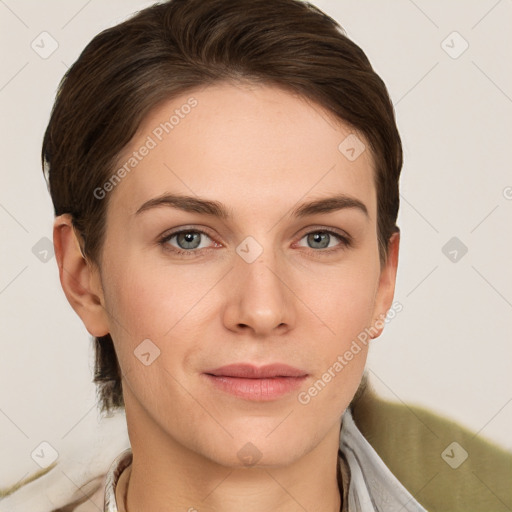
(346, 242)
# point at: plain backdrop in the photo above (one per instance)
(447, 68)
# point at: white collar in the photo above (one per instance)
(372, 486)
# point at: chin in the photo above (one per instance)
(258, 451)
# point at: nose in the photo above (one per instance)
(258, 298)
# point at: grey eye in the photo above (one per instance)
(318, 240)
(188, 239)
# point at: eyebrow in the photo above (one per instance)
(216, 209)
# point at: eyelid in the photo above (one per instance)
(188, 228)
(326, 229)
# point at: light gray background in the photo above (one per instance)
(449, 349)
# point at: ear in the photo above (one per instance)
(386, 286)
(79, 279)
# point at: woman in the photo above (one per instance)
(225, 181)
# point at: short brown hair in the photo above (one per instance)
(169, 48)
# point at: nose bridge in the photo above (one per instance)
(259, 298)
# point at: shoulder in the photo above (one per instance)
(448, 467)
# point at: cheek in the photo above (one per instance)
(163, 304)
(345, 300)
(145, 305)
(147, 300)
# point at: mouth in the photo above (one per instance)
(249, 382)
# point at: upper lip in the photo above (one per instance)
(250, 371)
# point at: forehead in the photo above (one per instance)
(246, 145)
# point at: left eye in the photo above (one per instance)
(322, 239)
(187, 240)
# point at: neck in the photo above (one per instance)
(167, 477)
(250, 490)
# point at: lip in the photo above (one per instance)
(250, 371)
(263, 383)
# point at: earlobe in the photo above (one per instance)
(79, 279)
(386, 287)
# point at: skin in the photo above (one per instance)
(260, 151)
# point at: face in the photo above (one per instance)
(241, 235)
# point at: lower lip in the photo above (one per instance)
(259, 390)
